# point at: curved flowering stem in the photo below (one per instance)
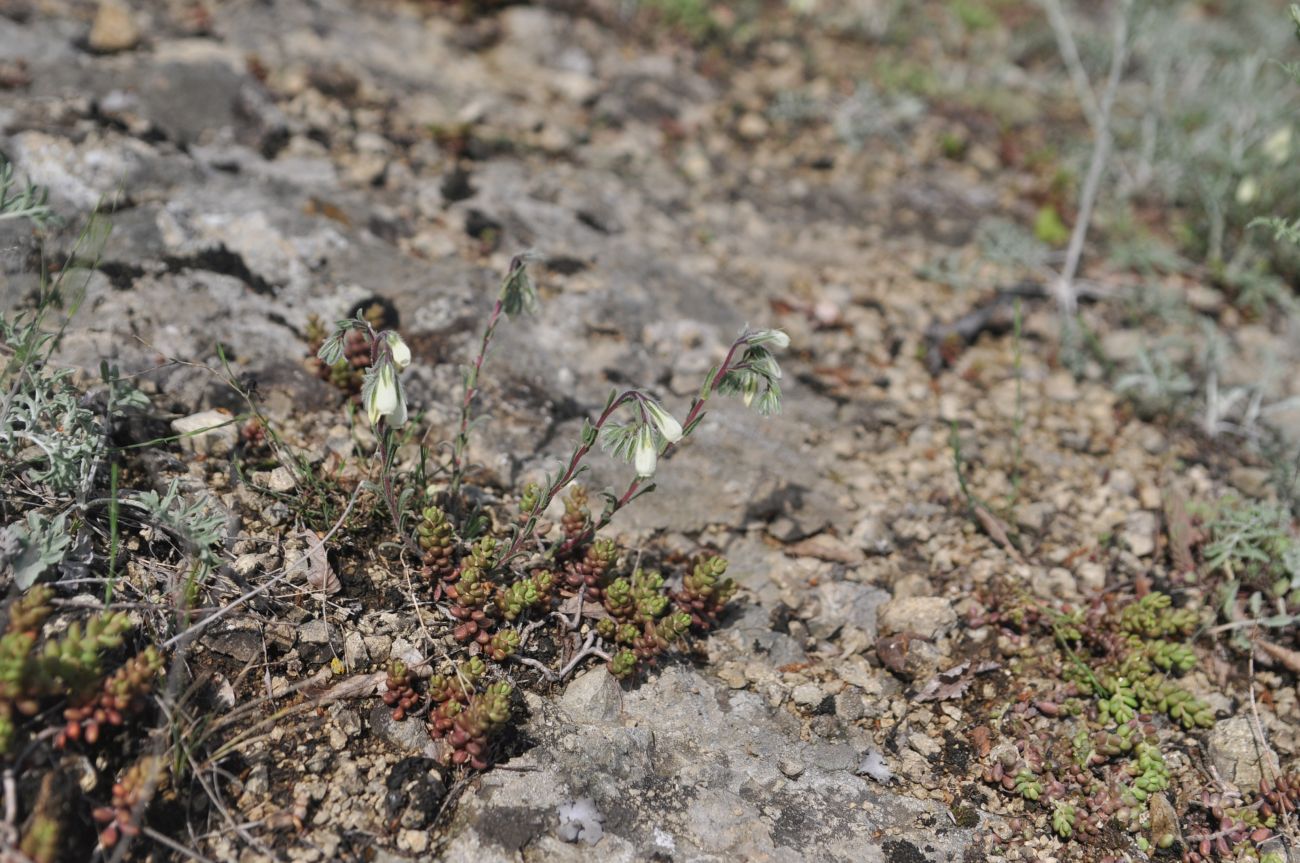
(385, 402)
(754, 368)
(382, 397)
(517, 295)
(389, 448)
(641, 440)
(590, 434)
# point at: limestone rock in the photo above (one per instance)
(1237, 753)
(114, 28)
(928, 616)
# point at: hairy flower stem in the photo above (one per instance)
(693, 417)
(390, 494)
(471, 388)
(388, 447)
(590, 435)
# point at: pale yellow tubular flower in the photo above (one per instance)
(398, 417)
(385, 396)
(647, 453)
(669, 427)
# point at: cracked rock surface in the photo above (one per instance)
(276, 160)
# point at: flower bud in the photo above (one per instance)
(1277, 146)
(766, 363)
(777, 338)
(401, 353)
(1247, 191)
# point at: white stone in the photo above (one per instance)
(1139, 533)
(210, 432)
(114, 28)
(927, 616)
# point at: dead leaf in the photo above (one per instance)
(591, 609)
(223, 692)
(893, 651)
(825, 546)
(1164, 819)
(320, 575)
(981, 739)
(953, 683)
(1284, 655)
(1183, 535)
(356, 686)
(320, 207)
(997, 531)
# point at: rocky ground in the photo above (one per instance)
(270, 161)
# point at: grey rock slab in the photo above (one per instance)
(706, 774)
(794, 510)
(41, 38)
(239, 639)
(184, 101)
(927, 616)
(1238, 754)
(409, 736)
(593, 696)
(750, 636)
(84, 173)
(732, 455)
(844, 603)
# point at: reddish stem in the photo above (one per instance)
(697, 407)
(529, 528)
(471, 390)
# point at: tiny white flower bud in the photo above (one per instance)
(647, 453)
(401, 353)
(1247, 191)
(1277, 146)
(751, 390)
(777, 338)
(670, 428)
(768, 364)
